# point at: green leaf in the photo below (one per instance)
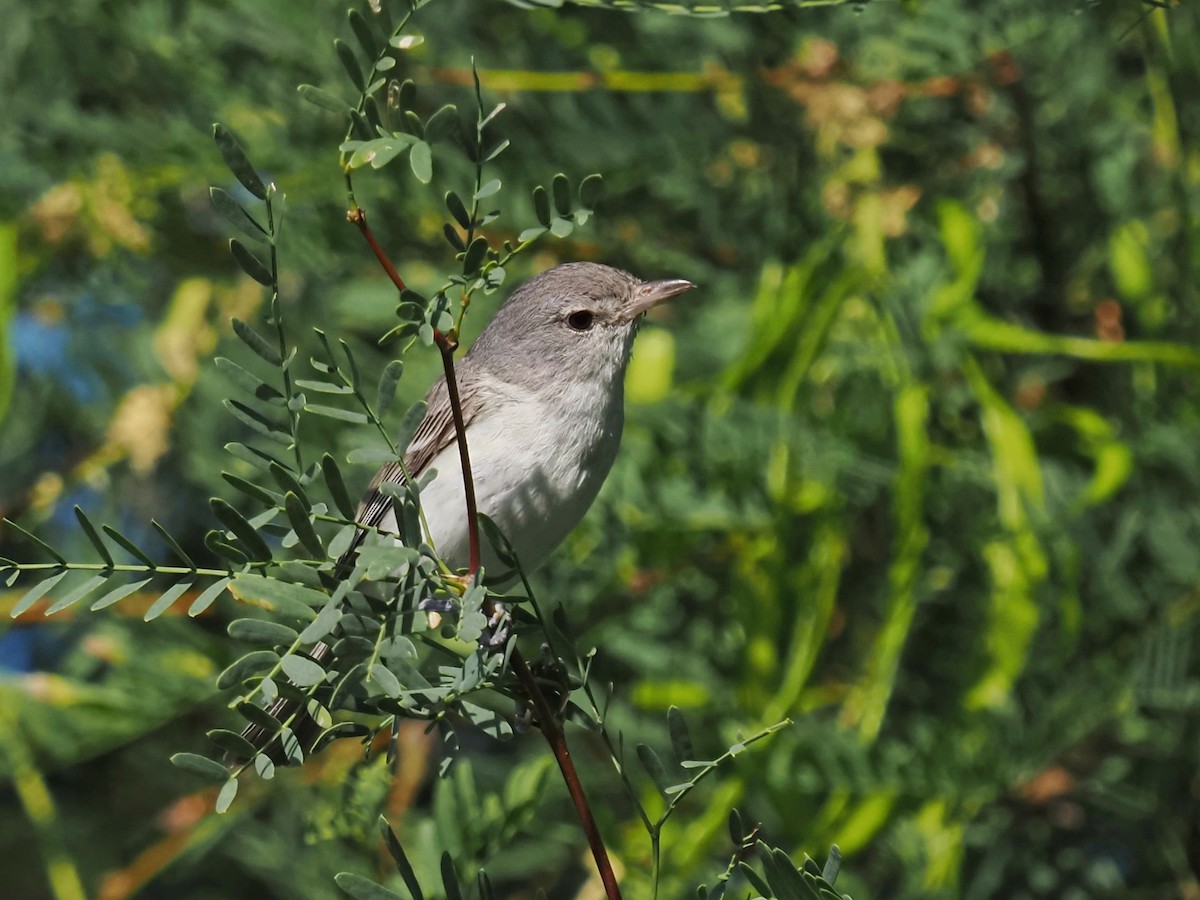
(403, 866)
(530, 233)
(302, 670)
(561, 228)
(833, 865)
(450, 877)
(262, 631)
(441, 124)
(370, 456)
(298, 516)
(541, 206)
(90, 530)
(421, 160)
(387, 682)
(264, 766)
(781, 874)
(222, 548)
(283, 597)
(458, 209)
(233, 213)
(653, 766)
(238, 164)
(590, 191)
(323, 99)
(324, 387)
(496, 150)
(54, 554)
(259, 422)
(406, 41)
(76, 594)
(475, 255)
(200, 765)
(129, 546)
(250, 539)
(251, 490)
(253, 664)
(362, 30)
(226, 795)
(337, 486)
(173, 544)
(256, 342)
(342, 415)
(342, 541)
(350, 63)
(251, 455)
(327, 620)
(387, 386)
(755, 879)
(232, 742)
(208, 596)
(248, 381)
(361, 888)
(561, 188)
(256, 715)
(488, 189)
(35, 593)
(250, 263)
(119, 593)
(681, 739)
(163, 603)
(453, 237)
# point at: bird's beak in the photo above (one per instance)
(651, 293)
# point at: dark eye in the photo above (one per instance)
(580, 320)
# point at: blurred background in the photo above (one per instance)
(916, 466)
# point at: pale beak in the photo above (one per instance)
(651, 293)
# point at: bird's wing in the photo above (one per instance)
(433, 435)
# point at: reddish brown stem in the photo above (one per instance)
(547, 717)
(358, 216)
(557, 739)
(447, 347)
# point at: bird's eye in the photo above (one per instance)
(581, 320)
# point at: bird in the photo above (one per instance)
(542, 399)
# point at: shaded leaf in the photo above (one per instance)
(398, 856)
(561, 188)
(350, 63)
(90, 530)
(200, 765)
(337, 486)
(323, 99)
(242, 529)
(129, 546)
(261, 631)
(361, 888)
(250, 263)
(256, 342)
(238, 164)
(254, 663)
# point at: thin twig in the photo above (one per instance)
(358, 216)
(447, 346)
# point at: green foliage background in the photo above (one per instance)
(916, 467)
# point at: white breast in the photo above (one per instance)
(537, 464)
